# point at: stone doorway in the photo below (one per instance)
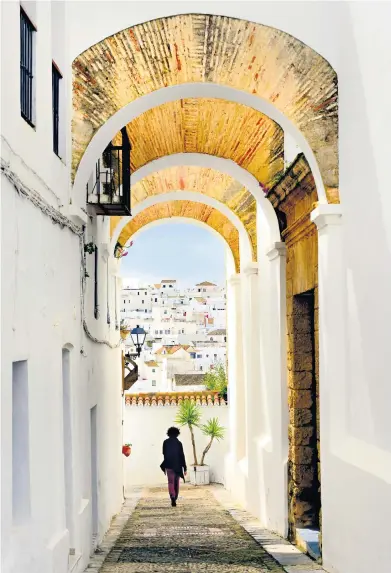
(304, 464)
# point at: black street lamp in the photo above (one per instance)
(138, 338)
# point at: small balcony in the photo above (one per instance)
(108, 191)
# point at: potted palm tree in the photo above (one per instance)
(189, 414)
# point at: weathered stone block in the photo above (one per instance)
(302, 475)
(299, 380)
(299, 398)
(300, 436)
(301, 455)
(300, 416)
(301, 323)
(303, 510)
(301, 361)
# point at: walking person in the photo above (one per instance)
(174, 463)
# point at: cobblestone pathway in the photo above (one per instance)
(202, 534)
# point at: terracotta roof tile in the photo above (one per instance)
(206, 283)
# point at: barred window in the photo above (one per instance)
(27, 30)
(56, 77)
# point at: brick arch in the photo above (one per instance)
(246, 56)
(188, 210)
(213, 127)
(205, 180)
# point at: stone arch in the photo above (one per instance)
(246, 250)
(248, 57)
(265, 211)
(228, 193)
(186, 210)
(211, 126)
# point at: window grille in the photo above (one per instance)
(56, 77)
(27, 30)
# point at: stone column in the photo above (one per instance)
(332, 309)
(277, 341)
(253, 393)
(332, 335)
(236, 397)
(274, 442)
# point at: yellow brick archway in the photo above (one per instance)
(211, 126)
(188, 210)
(180, 49)
(205, 180)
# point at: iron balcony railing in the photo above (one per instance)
(109, 192)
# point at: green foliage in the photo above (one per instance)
(89, 248)
(216, 380)
(124, 325)
(188, 414)
(213, 429)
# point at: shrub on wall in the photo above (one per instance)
(216, 380)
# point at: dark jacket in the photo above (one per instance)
(174, 457)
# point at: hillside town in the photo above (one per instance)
(185, 333)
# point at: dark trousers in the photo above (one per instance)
(173, 484)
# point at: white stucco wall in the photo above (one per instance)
(40, 315)
(33, 262)
(145, 428)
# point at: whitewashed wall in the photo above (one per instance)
(145, 428)
(40, 315)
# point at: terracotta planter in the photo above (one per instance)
(126, 450)
(124, 334)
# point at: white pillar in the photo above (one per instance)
(273, 442)
(235, 367)
(277, 340)
(236, 390)
(332, 348)
(251, 356)
(332, 310)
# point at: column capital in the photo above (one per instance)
(277, 249)
(250, 269)
(327, 214)
(234, 279)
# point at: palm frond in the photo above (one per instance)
(188, 414)
(213, 429)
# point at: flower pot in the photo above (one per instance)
(124, 334)
(126, 450)
(199, 475)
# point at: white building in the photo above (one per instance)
(175, 320)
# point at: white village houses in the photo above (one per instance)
(181, 334)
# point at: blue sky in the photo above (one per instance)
(182, 251)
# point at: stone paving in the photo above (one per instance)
(206, 532)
